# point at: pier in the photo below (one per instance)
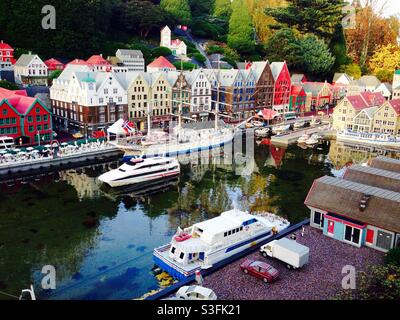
(291, 137)
(23, 167)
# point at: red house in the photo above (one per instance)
(282, 85)
(297, 100)
(54, 65)
(23, 118)
(6, 53)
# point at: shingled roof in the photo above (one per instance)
(373, 177)
(340, 196)
(385, 164)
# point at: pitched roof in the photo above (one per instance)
(357, 102)
(343, 197)
(373, 98)
(24, 60)
(385, 163)
(53, 63)
(297, 77)
(131, 53)
(161, 62)
(5, 46)
(313, 87)
(338, 75)
(78, 62)
(395, 105)
(97, 60)
(276, 68)
(373, 177)
(19, 100)
(370, 81)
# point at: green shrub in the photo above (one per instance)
(8, 85)
(215, 49)
(199, 57)
(230, 61)
(392, 257)
(161, 51)
(184, 65)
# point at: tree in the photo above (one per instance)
(161, 51)
(284, 45)
(316, 58)
(263, 22)
(54, 75)
(201, 8)
(392, 257)
(371, 31)
(338, 48)
(385, 61)
(241, 33)
(8, 85)
(222, 9)
(179, 9)
(352, 70)
(319, 17)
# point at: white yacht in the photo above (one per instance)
(181, 141)
(207, 243)
(303, 138)
(377, 139)
(138, 170)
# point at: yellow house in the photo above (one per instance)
(138, 95)
(387, 118)
(346, 110)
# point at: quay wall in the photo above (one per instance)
(21, 169)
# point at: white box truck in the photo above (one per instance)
(294, 254)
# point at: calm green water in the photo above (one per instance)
(101, 242)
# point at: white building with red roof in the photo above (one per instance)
(160, 64)
(177, 46)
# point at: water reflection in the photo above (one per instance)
(101, 240)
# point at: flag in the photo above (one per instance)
(128, 126)
(199, 278)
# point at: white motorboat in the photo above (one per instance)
(303, 138)
(257, 124)
(372, 138)
(204, 244)
(138, 170)
(314, 139)
(281, 129)
(261, 132)
(299, 124)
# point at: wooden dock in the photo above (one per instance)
(289, 138)
(48, 164)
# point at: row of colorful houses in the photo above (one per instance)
(23, 118)
(362, 208)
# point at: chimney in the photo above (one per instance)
(101, 55)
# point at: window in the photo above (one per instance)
(5, 111)
(173, 250)
(46, 127)
(45, 117)
(181, 255)
(38, 118)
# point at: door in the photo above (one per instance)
(331, 227)
(352, 234)
(370, 236)
(318, 219)
(384, 240)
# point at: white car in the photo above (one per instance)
(196, 293)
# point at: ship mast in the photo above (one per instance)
(217, 104)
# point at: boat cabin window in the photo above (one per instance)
(122, 170)
(229, 233)
(173, 250)
(130, 163)
(225, 234)
(181, 255)
(246, 223)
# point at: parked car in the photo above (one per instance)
(196, 293)
(259, 270)
(294, 254)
